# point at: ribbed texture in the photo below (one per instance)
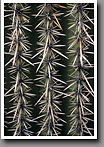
(51, 85)
(19, 52)
(79, 86)
(62, 33)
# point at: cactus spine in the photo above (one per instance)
(52, 89)
(49, 28)
(79, 86)
(19, 51)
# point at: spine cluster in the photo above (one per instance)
(50, 84)
(20, 54)
(52, 89)
(79, 78)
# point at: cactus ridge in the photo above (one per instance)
(49, 53)
(80, 88)
(19, 113)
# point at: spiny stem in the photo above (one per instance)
(49, 53)
(79, 111)
(20, 111)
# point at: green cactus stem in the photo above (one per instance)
(19, 113)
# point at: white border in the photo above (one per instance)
(95, 70)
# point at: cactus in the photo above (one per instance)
(81, 91)
(64, 98)
(49, 53)
(20, 54)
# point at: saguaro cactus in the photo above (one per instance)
(19, 50)
(49, 28)
(79, 86)
(58, 94)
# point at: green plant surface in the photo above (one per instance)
(80, 88)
